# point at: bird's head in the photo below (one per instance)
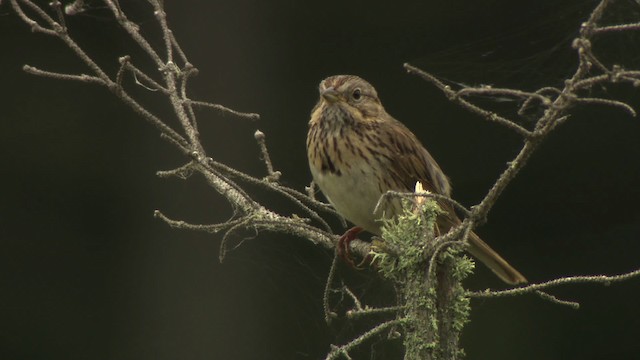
(351, 94)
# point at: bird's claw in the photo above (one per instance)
(344, 250)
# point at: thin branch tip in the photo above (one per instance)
(604, 280)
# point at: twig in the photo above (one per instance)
(57, 7)
(225, 239)
(527, 103)
(453, 96)
(354, 298)
(210, 228)
(354, 314)
(311, 190)
(614, 103)
(158, 11)
(297, 197)
(487, 90)
(616, 28)
(35, 27)
(343, 350)
(328, 314)
(183, 172)
(176, 46)
(590, 279)
(125, 62)
(272, 176)
(132, 29)
(572, 304)
(61, 76)
(224, 109)
(433, 261)
(188, 71)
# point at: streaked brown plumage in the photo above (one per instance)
(357, 152)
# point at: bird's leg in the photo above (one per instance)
(343, 245)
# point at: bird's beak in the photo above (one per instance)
(330, 94)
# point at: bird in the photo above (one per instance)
(357, 152)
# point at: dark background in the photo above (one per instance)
(87, 272)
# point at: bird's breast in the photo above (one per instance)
(354, 193)
(350, 168)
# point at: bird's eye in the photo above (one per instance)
(357, 94)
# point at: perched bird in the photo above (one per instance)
(357, 152)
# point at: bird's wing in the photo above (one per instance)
(411, 161)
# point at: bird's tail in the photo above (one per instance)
(480, 250)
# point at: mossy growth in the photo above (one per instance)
(436, 305)
(405, 239)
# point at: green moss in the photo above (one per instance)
(404, 245)
(403, 257)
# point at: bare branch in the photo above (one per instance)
(616, 28)
(125, 64)
(354, 298)
(343, 350)
(186, 74)
(298, 197)
(176, 138)
(490, 91)
(225, 239)
(586, 56)
(615, 103)
(35, 26)
(177, 47)
(273, 176)
(61, 76)
(513, 167)
(616, 75)
(132, 29)
(158, 11)
(572, 304)
(221, 108)
(328, 314)
(210, 228)
(366, 311)
(453, 96)
(57, 7)
(529, 101)
(183, 172)
(591, 279)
